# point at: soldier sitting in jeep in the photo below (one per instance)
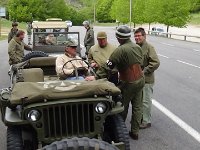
(67, 63)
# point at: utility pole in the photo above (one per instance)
(130, 12)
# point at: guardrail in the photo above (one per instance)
(171, 35)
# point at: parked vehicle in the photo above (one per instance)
(158, 31)
(39, 109)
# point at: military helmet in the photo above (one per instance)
(14, 24)
(123, 32)
(86, 23)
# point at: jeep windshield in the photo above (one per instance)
(54, 42)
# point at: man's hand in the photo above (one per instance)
(94, 65)
(90, 78)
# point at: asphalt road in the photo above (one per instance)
(176, 104)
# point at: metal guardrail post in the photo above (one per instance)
(169, 35)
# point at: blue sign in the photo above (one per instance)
(2, 11)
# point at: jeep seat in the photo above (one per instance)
(33, 75)
(47, 64)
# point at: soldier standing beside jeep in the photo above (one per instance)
(151, 63)
(89, 36)
(99, 53)
(16, 48)
(13, 31)
(29, 32)
(127, 59)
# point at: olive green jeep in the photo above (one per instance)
(43, 112)
(49, 38)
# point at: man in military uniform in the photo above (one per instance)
(99, 53)
(16, 48)
(151, 63)
(13, 31)
(68, 72)
(127, 59)
(29, 32)
(89, 36)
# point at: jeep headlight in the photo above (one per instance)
(33, 115)
(101, 108)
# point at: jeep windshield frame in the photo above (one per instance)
(53, 40)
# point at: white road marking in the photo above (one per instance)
(163, 56)
(167, 44)
(177, 120)
(188, 64)
(113, 39)
(197, 50)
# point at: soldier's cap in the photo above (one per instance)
(101, 35)
(70, 43)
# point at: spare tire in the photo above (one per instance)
(80, 143)
(34, 54)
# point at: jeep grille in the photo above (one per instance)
(68, 120)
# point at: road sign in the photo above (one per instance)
(2, 14)
(2, 11)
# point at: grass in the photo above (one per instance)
(6, 25)
(195, 19)
(3, 37)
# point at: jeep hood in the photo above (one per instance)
(29, 92)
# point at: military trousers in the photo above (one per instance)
(87, 49)
(147, 103)
(133, 92)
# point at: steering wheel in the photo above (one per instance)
(78, 71)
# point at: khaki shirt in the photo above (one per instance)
(151, 62)
(100, 55)
(16, 50)
(69, 67)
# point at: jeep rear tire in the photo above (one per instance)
(80, 143)
(115, 130)
(34, 54)
(14, 138)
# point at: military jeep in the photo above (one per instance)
(43, 112)
(49, 38)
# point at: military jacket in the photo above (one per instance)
(89, 37)
(125, 55)
(16, 50)
(121, 59)
(12, 34)
(151, 62)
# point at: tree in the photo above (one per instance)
(103, 9)
(119, 11)
(152, 11)
(138, 8)
(175, 13)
